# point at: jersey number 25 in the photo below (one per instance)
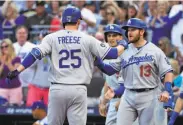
(70, 54)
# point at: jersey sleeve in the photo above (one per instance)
(116, 64)
(99, 48)
(120, 79)
(163, 64)
(46, 46)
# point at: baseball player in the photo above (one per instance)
(112, 33)
(72, 55)
(142, 65)
(39, 111)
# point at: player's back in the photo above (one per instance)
(71, 57)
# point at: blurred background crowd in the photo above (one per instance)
(23, 24)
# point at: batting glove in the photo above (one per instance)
(12, 75)
(124, 43)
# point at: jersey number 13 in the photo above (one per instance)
(145, 70)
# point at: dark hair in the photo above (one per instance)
(70, 23)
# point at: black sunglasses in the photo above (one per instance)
(4, 46)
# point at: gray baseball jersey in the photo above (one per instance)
(72, 54)
(142, 67)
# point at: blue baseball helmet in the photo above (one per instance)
(135, 23)
(113, 28)
(71, 15)
(39, 105)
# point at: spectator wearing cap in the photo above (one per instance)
(39, 111)
(11, 19)
(39, 87)
(41, 20)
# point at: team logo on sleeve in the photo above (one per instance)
(167, 61)
(102, 45)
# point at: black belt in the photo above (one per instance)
(55, 83)
(142, 90)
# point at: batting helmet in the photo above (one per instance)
(71, 15)
(113, 28)
(135, 23)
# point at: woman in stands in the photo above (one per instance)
(8, 62)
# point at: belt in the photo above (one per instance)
(142, 90)
(55, 83)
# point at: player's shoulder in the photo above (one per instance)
(152, 46)
(29, 45)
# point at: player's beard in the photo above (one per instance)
(135, 39)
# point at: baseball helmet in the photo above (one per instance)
(135, 23)
(71, 15)
(39, 105)
(113, 28)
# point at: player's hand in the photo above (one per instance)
(117, 105)
(102, 109)
(12, 75)
(109, 94)
(164, 97)
(124, 43)
(168, 106)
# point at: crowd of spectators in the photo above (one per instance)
(24, 23)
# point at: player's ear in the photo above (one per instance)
(78, 22)
(142, 32)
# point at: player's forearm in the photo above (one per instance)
(105, 88)
(27, 62)
(178, 105)
(107, 69)
(177, 110)
(168, 77)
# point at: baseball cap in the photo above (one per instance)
(40, 3)
(38, 105)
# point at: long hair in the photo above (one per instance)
(11, 49)
(15, 10)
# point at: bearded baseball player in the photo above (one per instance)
(72, 55)
(143, 66)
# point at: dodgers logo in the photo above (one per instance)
(69, 18)
(136, 60)
(111, 27)
(129, 21)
